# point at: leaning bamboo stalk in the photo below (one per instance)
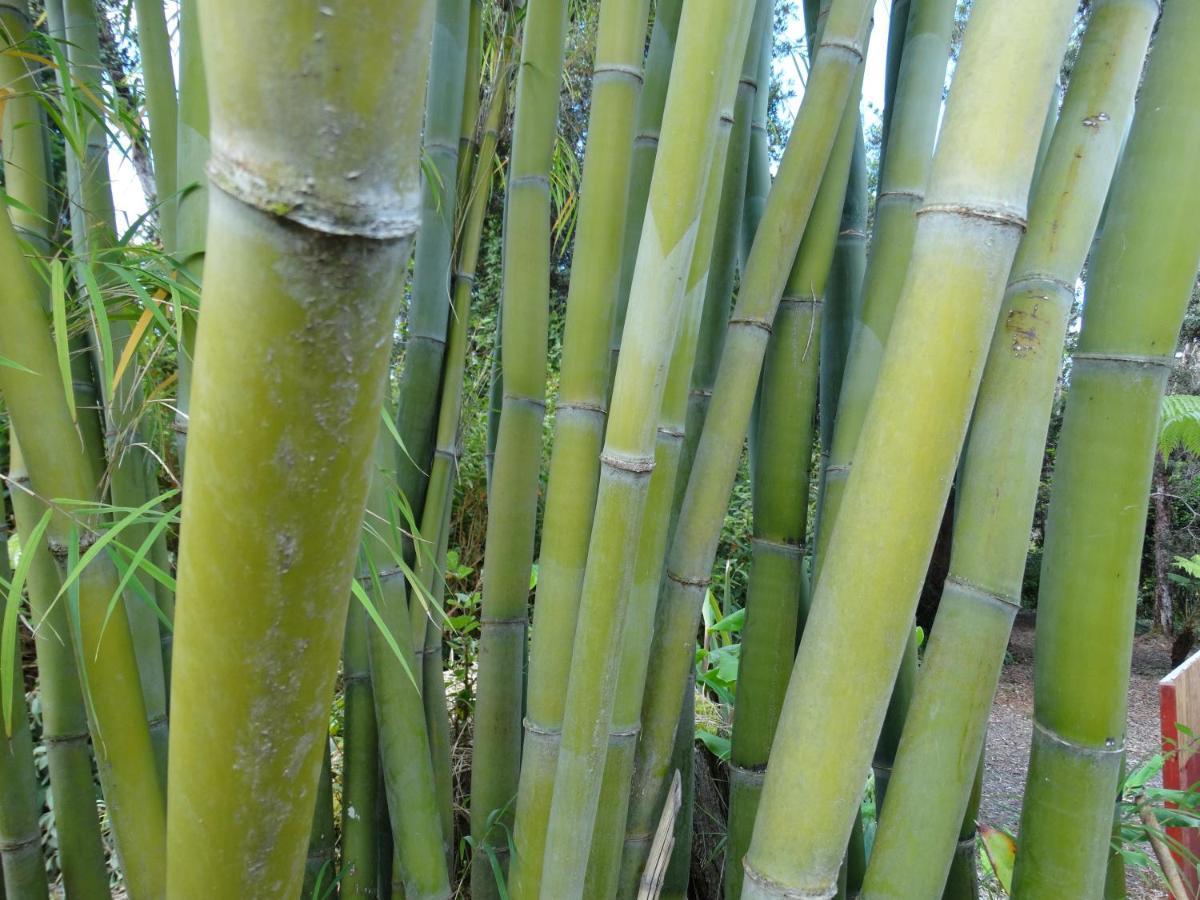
(645, 148)
(64, 718)
(782, 450)
(711, 42)
(605, 863)
(1139, 284)
(59, 469)
(429, 309)
(309, 234)
(20, 834)
(967, 234)
(513, 489)
(944, 733)
(689, 563)
(162, 110)
(580, 414)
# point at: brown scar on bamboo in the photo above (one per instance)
(1096, 121)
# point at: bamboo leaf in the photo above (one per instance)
(361, 594)
(13, 364)
(131, 346)
(8, 637)
(1001, 850)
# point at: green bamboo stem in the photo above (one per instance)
(468, 128)
(20, 834)
(718, 292)
(310, 233)
(785, 428)
(675, 883)
(898, 19)
(162, 110)
(1138, 288)
(605, 864)
(117, 712)
(429, 310)
(64, 718)
(435, 516)
(361, 805)
(689, 562)
(645, 149)
(962, 882)
(580, 415)
(711, 40)
(513, 488)
(758, 163)
(318, 865)
(944, 734)
(419, 867)
(21, 132)
(967, 235)
(191, 221)
(903, 180)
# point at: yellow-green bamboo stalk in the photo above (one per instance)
(59, 469)
(513, 487)
(784, 430)
(967, 234)
(604, 867)
(162, 109)
(689, 563)
(946, 723)
(645, 148)
(64, 718)
(20, 835)
(711, 42)
(191, 221)
(580, 414)
(315, 149)
(1139, 284)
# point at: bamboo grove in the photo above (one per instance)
(235, 657)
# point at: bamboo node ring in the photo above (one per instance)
(996, 214)
(1106, 752)
(851, 47)
(583, 406)
(534, 728)
(982, 593)
(778, 889)
(634, 72)
(761, 324)
(13, 846)
(69, 738)
(636, 465)
(1166, 362)
(688, 582)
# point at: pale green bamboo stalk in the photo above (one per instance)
(1139, 284)
(64, 718)
(645, 149)
(580, 414)
(513, 487)
(191, 220)
(711, 42)
(605, 863)
(946, 724)
(903, 179)
(689, 563)
(967, 234)
(429, 309)
(319, 872)
(758, 163)
(785, 428)
(162, 110)
(21, 128)
(361, 806)
(59, 469)
(420, 859)
(469, 124)
(309, 236)
(20, 835)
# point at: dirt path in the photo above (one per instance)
(1010, 730)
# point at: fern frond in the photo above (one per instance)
(1180, 424)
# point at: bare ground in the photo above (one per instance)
(1010, 730)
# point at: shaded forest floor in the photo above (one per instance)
(1011, 725)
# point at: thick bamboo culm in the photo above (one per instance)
(689, 562)
(944, 733)
(580, 416)
(513, 484)
(710, 45)
(302, 277)
(1139, 284)
(967, 233)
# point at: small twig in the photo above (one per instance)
(1170, 869)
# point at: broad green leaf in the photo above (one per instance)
(1001, 850)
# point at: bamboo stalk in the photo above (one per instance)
(782, 450)
(580, 414)
(967, 235)
(20, 835)
(162, 109)
(311, 225)
(711, 42)
(318, 865)
(361, 805)
(689, 562)
(946, 724)
(1139, 284)
(513, 487)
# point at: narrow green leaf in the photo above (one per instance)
(12, 605)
